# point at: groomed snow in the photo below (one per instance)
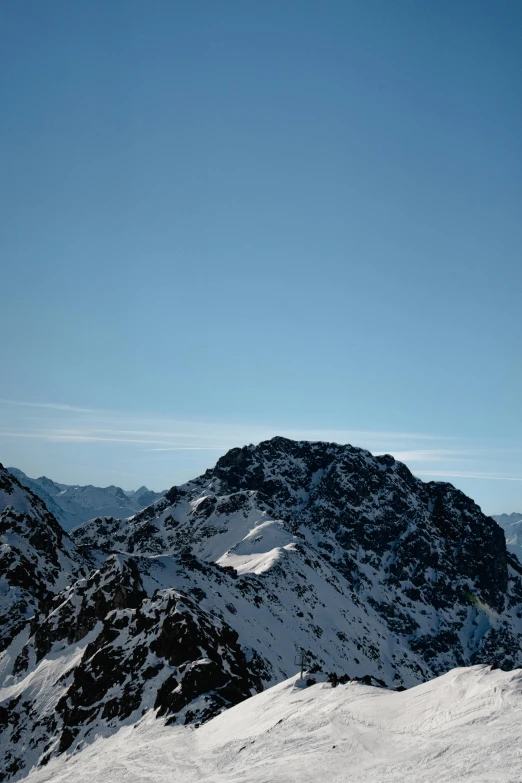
(463, 726)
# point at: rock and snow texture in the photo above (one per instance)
(73, 505)
(123, 654)
(512, 527)
(463, 726)
(206, 596)
(37, 559)
(375, 568)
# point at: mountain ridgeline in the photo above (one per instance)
(205, 597)
(72, 505)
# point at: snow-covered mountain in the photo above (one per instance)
(72, 505)
(401, 578)
(205, 597)
(463, 726)
(512, 527)
(37, 559)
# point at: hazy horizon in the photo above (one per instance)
(172, 452)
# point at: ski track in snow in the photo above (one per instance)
(463, 727)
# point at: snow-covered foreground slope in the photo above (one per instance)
(463, 726)
(72, 505)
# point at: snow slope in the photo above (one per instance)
(73, 505)
(463, 727)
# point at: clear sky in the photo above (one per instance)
(227, 220)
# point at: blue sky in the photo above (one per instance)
(223, 221)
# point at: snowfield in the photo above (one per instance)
(463, 726)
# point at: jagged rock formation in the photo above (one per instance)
(73, 505)
(110, 652)
(206, 596)
(37, 559)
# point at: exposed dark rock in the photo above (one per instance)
(352, 558)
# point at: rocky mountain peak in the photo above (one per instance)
(207, 594)
(352, 500)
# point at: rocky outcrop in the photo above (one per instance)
(110, 652)
(207, 595)
(37, 559)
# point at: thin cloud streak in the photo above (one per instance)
(52, 405)
(330, 435)
(425, 455)
(464, 474)
(68, 436)
(227, 436)
(189, 448)
(109, 422)
(79, 438)
(156, 434)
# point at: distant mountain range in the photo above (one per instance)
(512, 527)
(207, 595)
(72, 504)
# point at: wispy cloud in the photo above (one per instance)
(85, 438)
(465, 474)
(433, 455)
(222, 440)
(189, 448)
(427, 455)
(165, 434)
(52, 405)
(350, 435)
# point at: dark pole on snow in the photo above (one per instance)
(301, 661)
